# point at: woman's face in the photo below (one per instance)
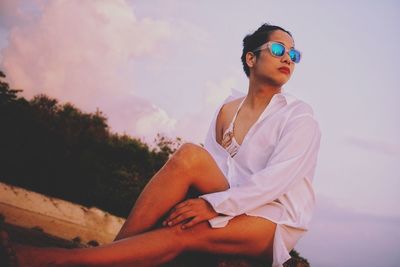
(268, 68)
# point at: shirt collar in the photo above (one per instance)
(289, 98)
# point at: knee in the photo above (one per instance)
(190, 148)
(189, 154)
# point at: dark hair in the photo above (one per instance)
(256, 39)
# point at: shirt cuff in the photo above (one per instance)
(218, 201)
(220, 221)
(215, 199)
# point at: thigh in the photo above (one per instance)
(244, 235)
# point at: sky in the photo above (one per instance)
(164, 66)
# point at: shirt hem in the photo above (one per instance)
(281, 249)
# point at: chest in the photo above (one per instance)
(241, 125)
(258, 139)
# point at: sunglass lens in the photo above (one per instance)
(294, 55)
(277, 49)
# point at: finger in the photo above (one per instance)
(174, 211)
(180, 209)
(182, 204)
(177, 213)
(181, 218)
(192, 222)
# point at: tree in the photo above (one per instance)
(7, 95)
(56, 149)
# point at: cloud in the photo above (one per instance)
(194, 36)
(9, 12)
(216, 92)
(79, 45)
(80, 52)
(155, 122)
(96, 54)
(351, 235)
(374, 145)
(213, 94)
(327, 211)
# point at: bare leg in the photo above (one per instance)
(190, 166)
(244, 235)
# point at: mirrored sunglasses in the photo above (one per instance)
(278, 50)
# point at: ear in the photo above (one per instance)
(250, 59)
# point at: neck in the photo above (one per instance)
(259, 95)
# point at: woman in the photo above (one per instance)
(254, 176)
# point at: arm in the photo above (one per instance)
(294, 157)
(218, 124)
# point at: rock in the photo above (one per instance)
(208, 260)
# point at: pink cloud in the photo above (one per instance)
(77, 51)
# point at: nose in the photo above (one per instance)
(286, 58)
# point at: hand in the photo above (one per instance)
(195, 210)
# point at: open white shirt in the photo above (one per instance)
(271, 175)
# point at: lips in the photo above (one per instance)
(284, 70)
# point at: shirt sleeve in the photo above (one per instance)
(294, 157)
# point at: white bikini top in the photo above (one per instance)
(231, 145)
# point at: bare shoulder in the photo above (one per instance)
(225, 115)
(234, 104)
(228, 110)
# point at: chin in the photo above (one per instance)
(276, 80)
(280, 81)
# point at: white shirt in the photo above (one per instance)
(271, 175)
